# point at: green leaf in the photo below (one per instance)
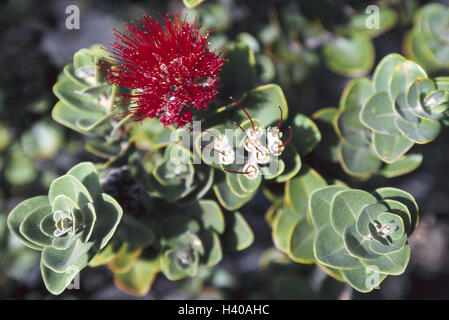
(424, 131)
(362, 279)
(209, 213)
(239, 73)
(226, 196)
(61, 261)
(109, 214)
(170, 265)
(292, 163)
(101, 149)
(57, 282)
(192, 3)
(86, 173)
(69, 93)
(69, 186)
(30, 227)
(20, 169)
(138, 280)
(404, 165)
(125, 259)
(261, 103)
(298, 189)
(20, 212)
(355, 94)
(357, 245)
(6, 136)
(378, 114)
(327, 148)
(283, 225)
(329, 249)
(104, 256)
(389, 148)
(382, 74)
(346, 207)
(173, 227)
(238, 235)
(65, 204)
(306, 134)
(301, 242)
(387, 20)
(393, 263)
(350, 129)
(212, 248)
(403, 197)
(350, 56)
(72, 118)
(361, 162)
(320, 204)
(402, 77)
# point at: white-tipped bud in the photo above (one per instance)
(276, 147)
(251, 144)
(262, 155)
(255, 134)
(273, 134)
(252, 170)
(221, 143)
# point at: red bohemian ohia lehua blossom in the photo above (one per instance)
(169, 69)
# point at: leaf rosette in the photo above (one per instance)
(379, 120)
(85, 99)
(353, 235)
(69, 226)
(88, 104)
(362, 237)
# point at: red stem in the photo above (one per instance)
(289, 139)
(247, 114)
(280, 120)
(213, 149)
(238, 172)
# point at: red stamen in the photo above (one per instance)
(212, 134)
(280, 120)
(213, 149)
(238, 172)
(247, 114)
(289, 139)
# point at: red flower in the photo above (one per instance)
(170, 68)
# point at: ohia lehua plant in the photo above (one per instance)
(163, 78)
(70, 225)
